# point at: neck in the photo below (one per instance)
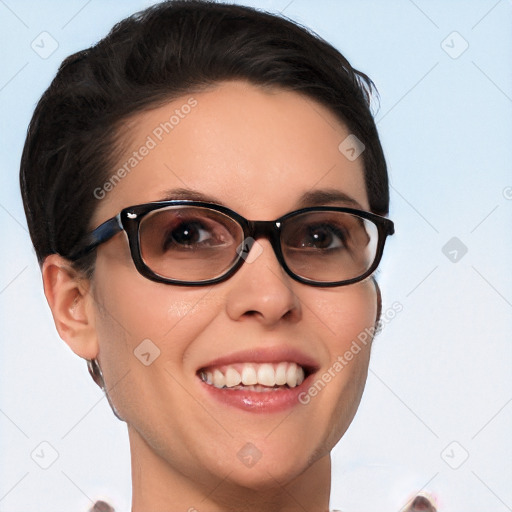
(160, 487)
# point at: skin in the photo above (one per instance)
(257, 151)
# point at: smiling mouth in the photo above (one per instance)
(259, 377)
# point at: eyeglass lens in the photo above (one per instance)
(191, 243)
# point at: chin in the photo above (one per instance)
(265, 477)
(263, 465)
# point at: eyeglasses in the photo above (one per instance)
(195, 243)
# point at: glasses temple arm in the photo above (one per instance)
(99, 235)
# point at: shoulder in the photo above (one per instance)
(101, 506)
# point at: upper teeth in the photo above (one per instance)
(250, 374)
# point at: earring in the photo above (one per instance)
(95, 373)
(97, 377)
(379, 306)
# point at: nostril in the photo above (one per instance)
(288, 314)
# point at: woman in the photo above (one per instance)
(206, 193)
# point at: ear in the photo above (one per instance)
(68, 295)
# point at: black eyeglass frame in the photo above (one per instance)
(129, 220)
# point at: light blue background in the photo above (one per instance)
(440, 371)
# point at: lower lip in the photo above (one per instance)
(259, 401)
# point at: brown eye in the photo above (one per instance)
(187, 234)
(322, 236)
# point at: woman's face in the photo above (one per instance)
(262, 154)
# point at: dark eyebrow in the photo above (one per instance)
(325, 197)
(321, 197)
(190, 195)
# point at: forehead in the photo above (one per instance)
(256, 150)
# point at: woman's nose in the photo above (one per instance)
(261, 288)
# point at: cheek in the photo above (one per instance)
(350, 322)
(145, 328)
(347, 312)
(142, 309)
